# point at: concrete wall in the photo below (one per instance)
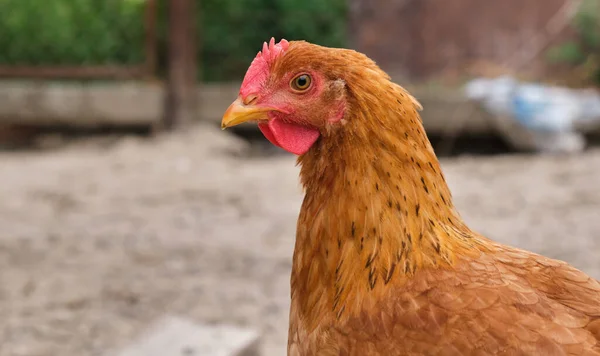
(142, 104)
(42, 103)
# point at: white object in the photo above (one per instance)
(537, 117)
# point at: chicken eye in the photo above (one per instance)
(301, 82)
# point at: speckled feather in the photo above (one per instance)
(383, 263)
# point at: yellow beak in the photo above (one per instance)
(238, 113)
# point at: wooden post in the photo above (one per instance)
(151, 38)
(180, 106)
(354, 8)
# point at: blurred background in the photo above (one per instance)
(122, 203)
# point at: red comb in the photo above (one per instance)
(271, 51)
(258, 72)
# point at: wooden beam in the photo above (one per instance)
(73, 72)
(180, 106)
(151, 36)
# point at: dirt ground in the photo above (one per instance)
(97, 240)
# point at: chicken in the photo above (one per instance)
(383, 263)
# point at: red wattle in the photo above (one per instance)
(296, 139)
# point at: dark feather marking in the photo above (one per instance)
(339, 292)
(339, 244)
(353, 229)
(371, 259)
(336, 299)
(371, 273)
(389, 203)
(417, 208)
(377, 186)
(409, 237)
(397, 206)
(406, 266)
(424, 185)
(372, 278)
(431, 166)
(339, 314)
(337, 269)
(390, 273)
(431, 222)
(362, 239)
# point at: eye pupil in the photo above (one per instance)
(301, 82)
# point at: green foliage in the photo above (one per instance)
(587, 23)
(568, 52)
(232, 31)
(93, 32)
(584, 52)
(71, 32)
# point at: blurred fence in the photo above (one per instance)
(176, 42)
(83, 40)
(179, 42)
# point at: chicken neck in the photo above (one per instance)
(376, 210)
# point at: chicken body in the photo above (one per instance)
(383, 263)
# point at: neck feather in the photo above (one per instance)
(377, 207)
